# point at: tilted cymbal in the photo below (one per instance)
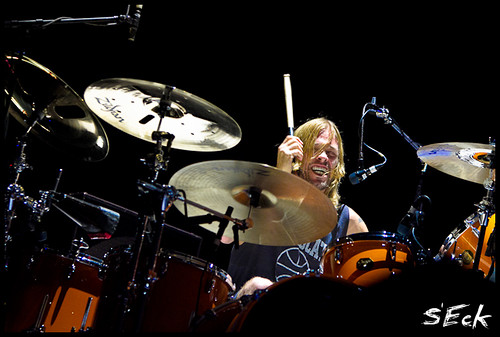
(133, 106)
(468, 161)
(289, 210)
(64, 120)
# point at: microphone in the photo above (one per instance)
(378, 112)
(134, 24)
(361, 175)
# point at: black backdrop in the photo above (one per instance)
(431, 67)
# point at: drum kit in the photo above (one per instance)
(144, 286)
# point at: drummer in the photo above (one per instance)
(315, 154)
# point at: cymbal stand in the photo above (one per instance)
(485, 210)
(176, 195)
(159, 161)
(15, 192)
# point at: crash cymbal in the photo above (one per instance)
(468, 161)
(290, 210)
(133, 107)
(66, 122)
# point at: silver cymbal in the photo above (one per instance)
(290, 210)
(66, 122)
(468, 161)
(133, 107)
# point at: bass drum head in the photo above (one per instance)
(300, 303)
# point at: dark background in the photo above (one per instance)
(431, 67)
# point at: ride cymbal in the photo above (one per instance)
(63, 119)
(288, 210)
(468, 161)
(133, 106)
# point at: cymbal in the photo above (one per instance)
(90, 217)
(66, 122)
(290, 210)
(468, 161)
(133, 106)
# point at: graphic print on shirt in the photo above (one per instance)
(291, 262)
(298, 260)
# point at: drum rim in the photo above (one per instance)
(197, 262)
(374, 236)
(80, 257)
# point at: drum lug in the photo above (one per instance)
(364, 264)
(338, 255)
(393, 251)
(467, 257)
(72, 269)
(210, 285)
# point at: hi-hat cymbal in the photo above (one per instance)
(66, 122)
(290, 210)
(133, 107)
(468, 161)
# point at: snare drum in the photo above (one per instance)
(366, 259)
(185, 287)
(460, 246)
(60, 294)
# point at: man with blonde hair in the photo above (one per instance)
(316, 154)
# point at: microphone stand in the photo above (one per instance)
(43, 23)
(415, 215)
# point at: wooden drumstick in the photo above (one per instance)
(289, 105)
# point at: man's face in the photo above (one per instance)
(322, 163)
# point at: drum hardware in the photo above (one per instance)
(366, 259)
(85, 316)
(486, 207)
(15, 195)
(473, 162)
(415, 215)
(38, 324)
(365, 264)
(338, 255)
(157, 161)
(79, 244)
(362, 174)
(15, 192)
(89, 216)
(104, 21)
(158, 268)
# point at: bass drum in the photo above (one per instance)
(301, 303)
(461, 245)
(366, 259)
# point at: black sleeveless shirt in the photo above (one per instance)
(277, 262)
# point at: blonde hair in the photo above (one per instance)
(308, 132)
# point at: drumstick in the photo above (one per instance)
(288, 101)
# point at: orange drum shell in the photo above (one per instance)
(66, 292)
(172, 299)
(466, 240)
(341, 261)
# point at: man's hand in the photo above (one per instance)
(288, 150)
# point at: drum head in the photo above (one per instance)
(297, 304)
